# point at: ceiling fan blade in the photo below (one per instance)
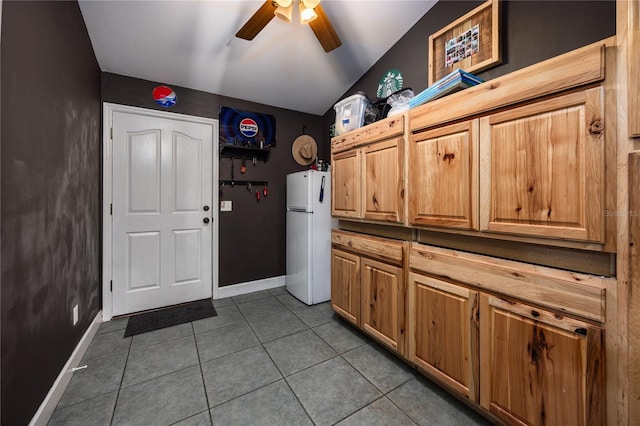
(324, 31)
(258, 21)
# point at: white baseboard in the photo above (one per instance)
(250, 287)
(50, 402)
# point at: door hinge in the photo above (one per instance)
(111, 285)
(111, 209)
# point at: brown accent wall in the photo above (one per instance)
(532, 31)
(50, 196)
(251, 237)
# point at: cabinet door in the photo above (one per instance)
(443, 327)
(539, 368)
(383, 184)
(346, 178)
(345, 285)
(443, 183)
(542, 168)
(382, 302)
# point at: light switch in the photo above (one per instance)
(225, 206)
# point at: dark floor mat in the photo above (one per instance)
(180, 314)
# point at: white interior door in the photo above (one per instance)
(162, 210)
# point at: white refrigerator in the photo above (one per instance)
(309, 224)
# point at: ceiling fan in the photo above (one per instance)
(310, 13)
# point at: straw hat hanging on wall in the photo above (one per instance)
(304, 150)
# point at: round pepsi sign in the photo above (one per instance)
(248, 127)
(164, 96)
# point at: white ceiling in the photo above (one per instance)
(192, 44)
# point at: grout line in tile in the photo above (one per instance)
(156, 377)
(401, 384)
(163, 342)
(204, 385)
(283, 336)
(246, 393)
(360, 409)
(218, 328)
(230, 353)
(265, 349)
(193, 415)
(316, 325)
(84, 400)
(360, 373)
(331, 346)
(400, 408)
(280, 337)
(113, 412)
(268, 295)
(299, 402)
(311, 366)
(240, 396)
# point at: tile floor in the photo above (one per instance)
(265, 359)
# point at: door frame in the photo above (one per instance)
(107, 194)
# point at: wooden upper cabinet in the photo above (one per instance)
(383, 184)
(382, 301)
(538, 368)
(443, 176)
(633, 85)
(542, 168)
(345, 285)
(368, 173)
(346, 195)
(443, 332)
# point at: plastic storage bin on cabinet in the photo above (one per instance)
(350, 113)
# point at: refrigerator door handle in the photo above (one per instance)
(298, 209)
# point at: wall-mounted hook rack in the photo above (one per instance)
(232, 183)
(244, 152)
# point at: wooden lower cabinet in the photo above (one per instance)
(443, 330)
(367, 285)
(345, 285)
(382, 307)
(523, 364)
(538, 368)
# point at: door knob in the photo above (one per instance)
(205, 220)
(205, 208)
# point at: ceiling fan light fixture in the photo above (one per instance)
(284, 13)
(307, 15)
(311, 4)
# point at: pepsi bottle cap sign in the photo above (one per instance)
(164, 96)
(248, 127)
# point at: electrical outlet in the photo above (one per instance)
(226, 206)
(75, 315)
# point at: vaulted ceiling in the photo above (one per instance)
(192, 44)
